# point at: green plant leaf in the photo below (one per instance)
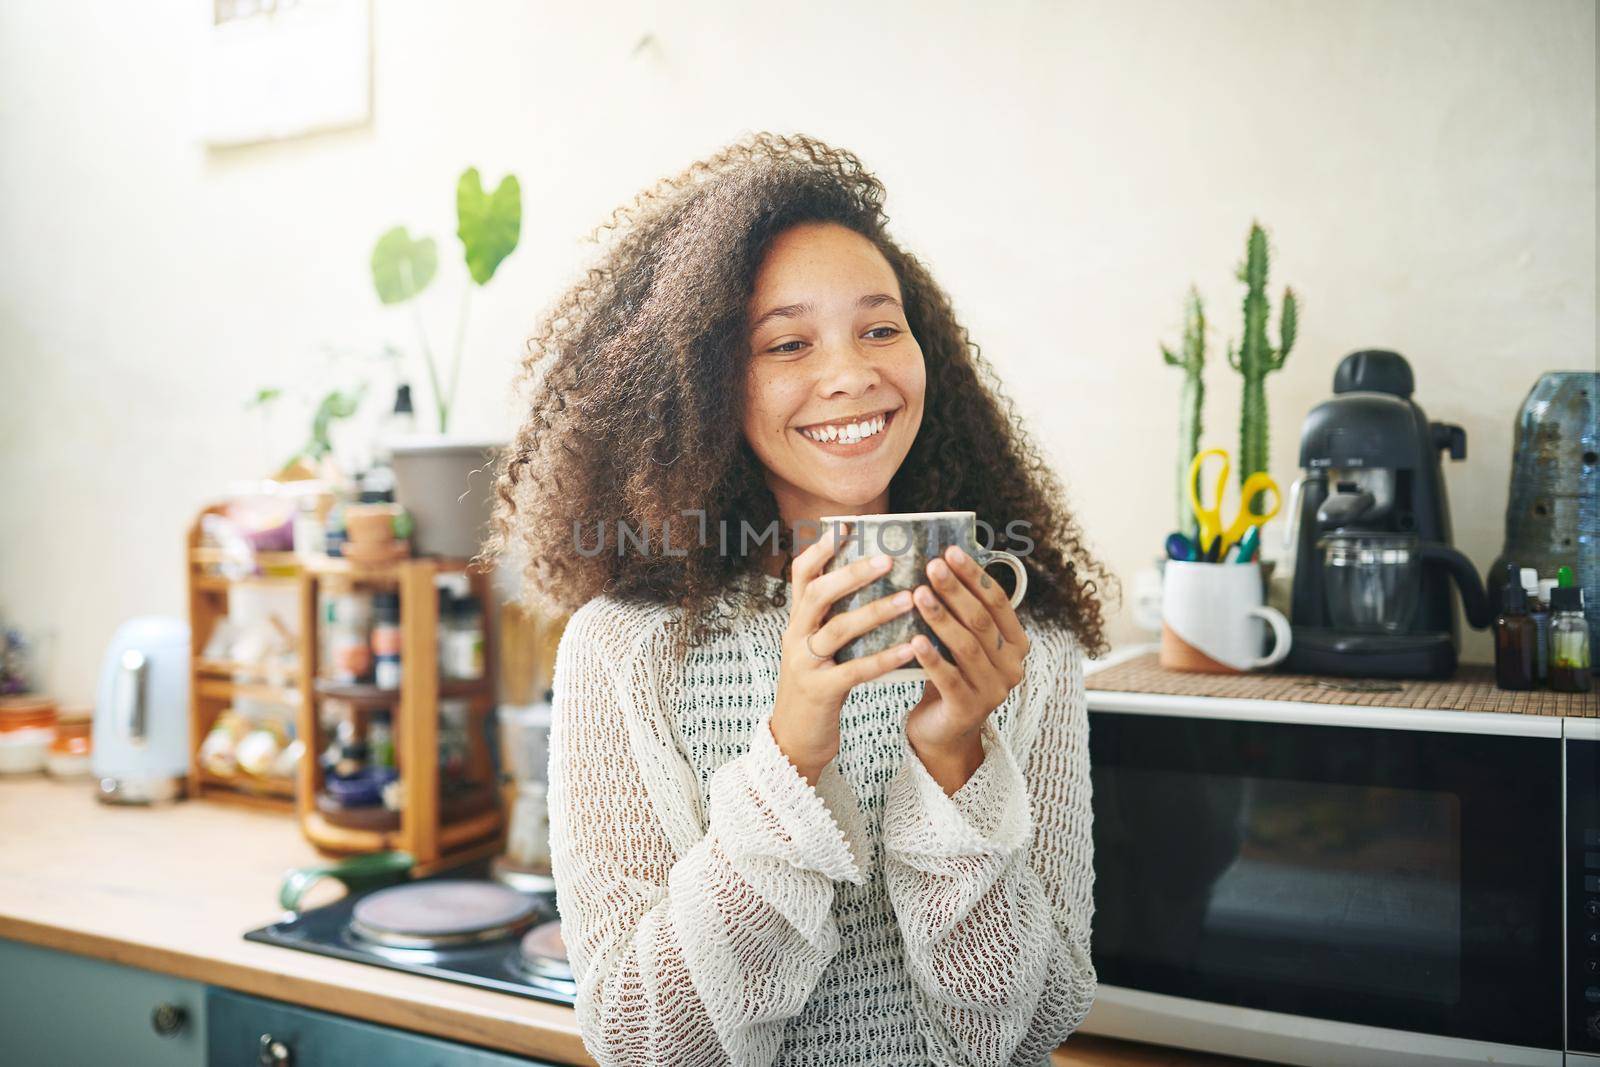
(336, 405)
(489, 223)
(401, 267)
(263, 397)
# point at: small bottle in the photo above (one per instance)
(346, 753)
(447, 610)
(1569, 643)
(310, 535)
(1539, 612)
(386, 640)
(453, 738)
(377, 481)
(333, 532)
(350, 642)
(380, 740)
(465, 642)
(401, 422)
(377, 485)
(386, 672)
(1515, 638)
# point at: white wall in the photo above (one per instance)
(1426, 168)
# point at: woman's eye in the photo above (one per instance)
(787, 350)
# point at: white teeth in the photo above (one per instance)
(850, 432)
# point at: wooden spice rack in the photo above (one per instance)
(432, 839)
(215, 684)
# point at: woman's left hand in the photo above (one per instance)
(974, 618)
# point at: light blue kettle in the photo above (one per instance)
(141, 713)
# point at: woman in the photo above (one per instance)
(758, 858)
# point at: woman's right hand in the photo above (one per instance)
(811, 686)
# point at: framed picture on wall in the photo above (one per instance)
(270, 70)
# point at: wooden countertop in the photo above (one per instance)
(173, 889)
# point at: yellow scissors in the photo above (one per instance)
(1211, 526)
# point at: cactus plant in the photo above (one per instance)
(1255, 359)
(1190, 401)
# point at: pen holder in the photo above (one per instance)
(1214, 619)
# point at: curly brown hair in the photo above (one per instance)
(633, 405)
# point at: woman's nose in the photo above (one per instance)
(847, 369)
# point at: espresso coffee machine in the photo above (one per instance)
(1371, 528)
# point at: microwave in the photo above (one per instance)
(1346, 885)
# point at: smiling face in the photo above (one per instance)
(835, 382)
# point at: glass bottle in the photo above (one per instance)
(386, 641)
(380, 740)
(447, 610)
(350, 641)
(466, 639)
(1515, 638)
(1569, 642)
(1539, 612)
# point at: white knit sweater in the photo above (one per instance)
(718, 909)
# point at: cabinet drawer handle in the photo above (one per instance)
(274, 1053)
(168, 1020)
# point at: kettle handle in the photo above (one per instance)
(131, 716)
(1473, 597)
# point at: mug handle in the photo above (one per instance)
(358, 873)
(1281, 636)
(986, 556)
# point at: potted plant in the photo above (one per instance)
(1253, 359)
(445, 480)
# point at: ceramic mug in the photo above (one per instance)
(911, 541)
(1213, 619)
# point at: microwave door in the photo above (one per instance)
(1583, 890)
(1404, 880)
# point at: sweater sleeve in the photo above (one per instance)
(993, 887)
(684, 951)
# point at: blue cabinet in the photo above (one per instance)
(243, 1031)
(61, 1010)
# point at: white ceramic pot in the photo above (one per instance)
(1214, 619)
(447, 484)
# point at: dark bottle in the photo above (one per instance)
(1516, 639)
(1539, 612)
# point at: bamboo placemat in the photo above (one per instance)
(1472, 689)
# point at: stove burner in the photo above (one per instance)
(544, 953)
(441, 913)
(498, 964)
